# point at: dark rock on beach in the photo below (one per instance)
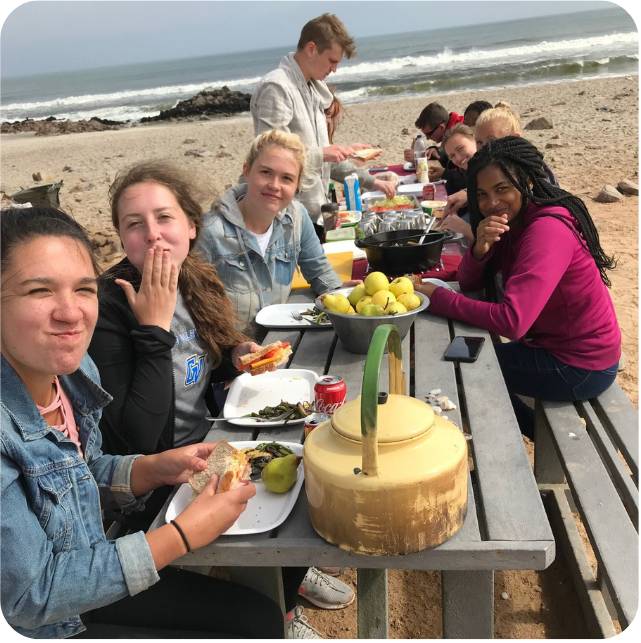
(608, 194)
(51, 126)
(212, 102)
(539, 123)
(209, 102)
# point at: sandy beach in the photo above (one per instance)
(593, 142)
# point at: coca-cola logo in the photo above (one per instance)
(325, 407)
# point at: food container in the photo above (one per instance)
(381, 204)
(347, 218)
(385, 254)
(385, 475)
(356, 331)
(434, 208)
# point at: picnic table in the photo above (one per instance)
(506, 526)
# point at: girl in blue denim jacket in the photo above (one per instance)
(56, 562)
(257, 234)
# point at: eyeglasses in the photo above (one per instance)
(429, 134)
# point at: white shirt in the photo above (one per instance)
(263, 239)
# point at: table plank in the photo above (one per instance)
(253, 551)
(622, 421)
(431, 337)
(513, 509)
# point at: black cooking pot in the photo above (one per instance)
(398, 252)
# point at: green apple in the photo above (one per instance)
(372, 310)
(383, 298)
(375, 281)
(363, 301)
(410, 301)
(336, 303)
(401, 286)
(396, 308)
(357, 293)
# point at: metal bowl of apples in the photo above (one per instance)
(357, 312)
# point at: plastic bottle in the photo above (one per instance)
(332, 193)
(419, 147)
(352, 188)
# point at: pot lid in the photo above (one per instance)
(400, 418)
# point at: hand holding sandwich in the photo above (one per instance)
(241, 350)
(170, 467)
(212, 513)
(265, 358)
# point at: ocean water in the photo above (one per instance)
(502, 54)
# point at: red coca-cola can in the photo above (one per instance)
(428, 192)
(313, 421)
(330, 392)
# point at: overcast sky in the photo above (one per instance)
(48, 35)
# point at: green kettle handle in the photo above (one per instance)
(384, 335)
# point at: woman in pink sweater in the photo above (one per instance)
(556, 310)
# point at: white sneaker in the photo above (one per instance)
(297, 626)
(325, 591)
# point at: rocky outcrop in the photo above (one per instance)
(52, 126)
(209, 102)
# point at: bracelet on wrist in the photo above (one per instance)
(182, 535)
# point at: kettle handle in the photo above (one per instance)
(384, 335)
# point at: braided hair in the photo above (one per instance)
(522, 164)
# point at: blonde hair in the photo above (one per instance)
(459, 128)
(503, 116)
(286, 140)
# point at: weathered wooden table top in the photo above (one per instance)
(506, 526)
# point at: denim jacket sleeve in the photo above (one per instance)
(313, 261)
(49, 577)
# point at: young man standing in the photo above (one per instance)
(294, 98)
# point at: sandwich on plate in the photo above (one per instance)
(230, 465)
(268, 358)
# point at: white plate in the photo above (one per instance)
(437, 282)
(408, 166)
(251, 393)
(264, 511)
(280, 316)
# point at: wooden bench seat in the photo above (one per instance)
(586, 462)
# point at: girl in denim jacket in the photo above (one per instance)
(258, 234)
(56, 562)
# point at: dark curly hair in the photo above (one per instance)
(522, 164)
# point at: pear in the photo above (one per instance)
(383, 298)
(401, 286)
(336, 303)
(363, 302)
(410, 300)
(357, 293)
(372, 310)
(396, 308)
(374, 282)
(279, 474)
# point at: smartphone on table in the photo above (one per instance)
(464, 349)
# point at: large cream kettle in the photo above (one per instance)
(386, 475)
